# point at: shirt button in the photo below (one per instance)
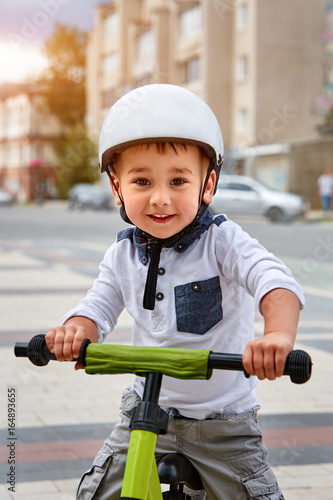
(195, 287)
(161, 271)
(149, 247)
(159, 296)
(180, 247)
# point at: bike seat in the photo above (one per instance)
(175, 468)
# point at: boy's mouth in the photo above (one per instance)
(160, 218)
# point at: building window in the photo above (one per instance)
(192, 70)
(241, 121)
(242, 16)
(111, 25)
(146, 45)
(13, 155)
(110, 63)
(190, 22)
(145, 54)
(242, 69)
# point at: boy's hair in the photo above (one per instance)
(162, 149)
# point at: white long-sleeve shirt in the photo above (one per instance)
(207, 288)
(325, 185)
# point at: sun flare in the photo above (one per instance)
(20, 64)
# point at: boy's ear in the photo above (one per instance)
(209, 191)
(115, 186)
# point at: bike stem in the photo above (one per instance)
(148, 416)
(152, 387)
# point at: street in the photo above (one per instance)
(48, 259)
(57, 236)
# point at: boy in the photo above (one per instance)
(188, 279)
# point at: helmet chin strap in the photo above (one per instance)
(123, 213)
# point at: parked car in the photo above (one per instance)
(238, 194)
(6, 198)
(86, 195)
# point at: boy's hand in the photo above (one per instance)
(65, 341)
(266, 357)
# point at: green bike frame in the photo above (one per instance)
(141, 479)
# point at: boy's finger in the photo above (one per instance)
(280, 361)
(49, 339)
(79, 366)
(77, 342)
(269, 363)
(247, 359)
(59, 344)
(258, 363)
(69, 342)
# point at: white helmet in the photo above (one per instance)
(160, 113)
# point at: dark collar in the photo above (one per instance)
(180, 245)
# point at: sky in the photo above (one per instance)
(25, 24)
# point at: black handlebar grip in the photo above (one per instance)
(39, 354)
(36, 350)
(298, 366)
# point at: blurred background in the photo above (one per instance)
(265, 68)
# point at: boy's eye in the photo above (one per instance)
(177, 182)
(142, 182)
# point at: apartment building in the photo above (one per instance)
(324, 101)
(257, 63)
(27, 159)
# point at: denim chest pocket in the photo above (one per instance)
(198, 305)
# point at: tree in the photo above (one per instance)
(62, 84)
(77, 154)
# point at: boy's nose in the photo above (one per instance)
(160, 197)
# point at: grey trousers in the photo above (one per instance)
(227, 451)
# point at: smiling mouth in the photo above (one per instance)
(160, 218)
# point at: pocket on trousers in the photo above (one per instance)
(129, 400)
(91, 480)
(198, 305)
(263, 486)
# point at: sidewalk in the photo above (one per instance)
(63, 416)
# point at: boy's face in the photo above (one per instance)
(162, 190)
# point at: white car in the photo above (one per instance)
(6, 198)
(86, 195)
(238, 194)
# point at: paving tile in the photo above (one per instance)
(45, 490)
(308, 494)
